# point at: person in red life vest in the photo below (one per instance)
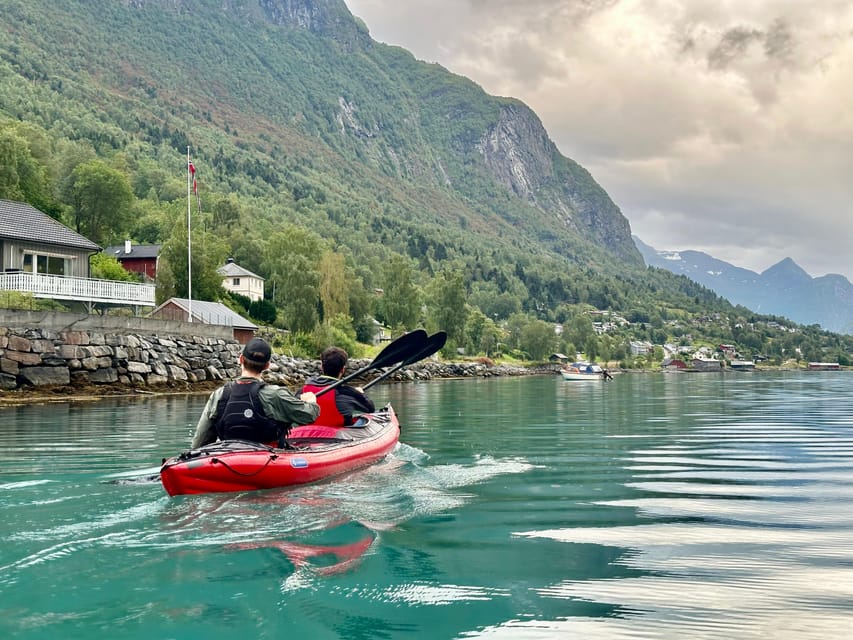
(250, 409)
(340, 406)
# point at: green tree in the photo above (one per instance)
(208, 254)
(361, 303)
(291, 259)
(474, 328)
(538, 339)
(101, 200)
(490, 338)
(400, 304)
(227, 211)
(22, 176)
(580, 330)
(263, 310)
(334, 292)
(106, 267)
(448, 310)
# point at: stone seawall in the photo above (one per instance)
(43, 357)
(53, 356)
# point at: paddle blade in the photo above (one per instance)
(433, 345)
(395, 351)
(400, 349)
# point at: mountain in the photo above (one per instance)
(296, 94)
(784, 289)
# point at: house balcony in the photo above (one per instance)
(88, 290)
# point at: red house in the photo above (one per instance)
(140, 258)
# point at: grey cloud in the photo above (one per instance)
(779, 41)
(732, 46)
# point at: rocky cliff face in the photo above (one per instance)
(329, 18)
(519, 153)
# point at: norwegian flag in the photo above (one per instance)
(192, 175)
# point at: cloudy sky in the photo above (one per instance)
(724, 126)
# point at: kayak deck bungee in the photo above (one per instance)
(313, 452)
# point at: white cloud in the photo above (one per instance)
(724, 127)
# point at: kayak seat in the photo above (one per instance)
(313, 431)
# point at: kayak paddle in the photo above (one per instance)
(400, 349)
(432, 345)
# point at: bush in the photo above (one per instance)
(264, 311)
(309, 345)
(27, 302)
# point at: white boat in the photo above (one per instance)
(583, 371)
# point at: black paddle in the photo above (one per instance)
(400, 349)
(432, 345)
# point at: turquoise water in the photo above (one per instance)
(653, 506)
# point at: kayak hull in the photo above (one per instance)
(315, 453)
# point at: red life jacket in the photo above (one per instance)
(329, 414)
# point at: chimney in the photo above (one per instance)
(127, 246)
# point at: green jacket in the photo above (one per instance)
(279, 404)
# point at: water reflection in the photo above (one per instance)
(750, 523)
(653, 506)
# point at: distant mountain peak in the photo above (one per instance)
(784, 289)
(787, 271)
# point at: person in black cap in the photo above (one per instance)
(250, 409)
(340, 406)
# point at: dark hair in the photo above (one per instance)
(333, 361)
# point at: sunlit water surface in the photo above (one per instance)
(652, 506)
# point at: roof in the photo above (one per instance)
(20, 221)
(232, 269)
(136, 251)
(210, 313)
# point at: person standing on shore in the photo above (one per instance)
(250, 409)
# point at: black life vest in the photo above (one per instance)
(240, 414)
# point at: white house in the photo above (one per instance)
(239, 280)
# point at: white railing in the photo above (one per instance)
(78, 289)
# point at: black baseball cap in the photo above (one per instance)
(257, 351)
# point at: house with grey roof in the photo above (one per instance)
(240, 280)
(215, 313)
(33, 242)
(42, 257)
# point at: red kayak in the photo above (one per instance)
(314, 452)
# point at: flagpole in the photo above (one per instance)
(189, 237)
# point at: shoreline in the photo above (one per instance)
(291, 377)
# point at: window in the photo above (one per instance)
(53, 265)
(235, 282)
